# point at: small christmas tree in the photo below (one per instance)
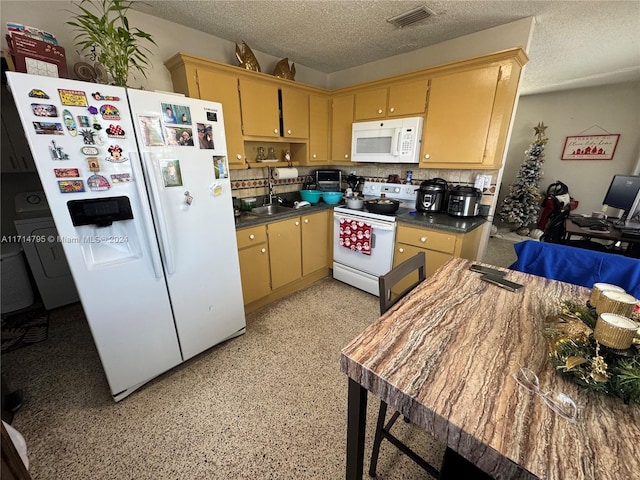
(522, 205)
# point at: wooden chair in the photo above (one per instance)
(388, 297)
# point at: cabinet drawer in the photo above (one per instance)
(251, 236)
(429, 239)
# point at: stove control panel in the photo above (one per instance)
(406, 193)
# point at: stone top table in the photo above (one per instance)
(443, 357)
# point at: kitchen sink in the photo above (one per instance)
(270, 210)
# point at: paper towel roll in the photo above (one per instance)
(285, 173)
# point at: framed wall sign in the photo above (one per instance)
(590, 147)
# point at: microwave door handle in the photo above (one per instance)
(395, 147)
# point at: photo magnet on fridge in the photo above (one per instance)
(48, 128)
(66, 172)
(44, 110)
(151, 129)
(171, 174)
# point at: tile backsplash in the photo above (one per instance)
(254, 181)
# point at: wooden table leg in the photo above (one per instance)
(356, 423)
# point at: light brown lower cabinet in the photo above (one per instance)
(255, 272)
(439, 246)
(283, 256)
(285, 247)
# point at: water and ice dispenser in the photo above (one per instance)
(104, 233)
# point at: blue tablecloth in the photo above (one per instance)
(577, 265)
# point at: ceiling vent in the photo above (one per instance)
(412, 16)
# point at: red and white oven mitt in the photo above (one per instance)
(355, 235)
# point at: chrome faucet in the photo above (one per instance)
(270, 185)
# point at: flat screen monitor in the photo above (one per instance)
(624, 194)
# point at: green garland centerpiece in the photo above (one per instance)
(579, 357)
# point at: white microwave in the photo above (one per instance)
(387, 141)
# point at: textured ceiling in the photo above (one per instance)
(575, 43)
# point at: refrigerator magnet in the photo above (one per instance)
(90, 150)
(56, 152)
(109, 112)
(83, 121)
(98, 183)
(212, 115)
(108, 98)
(37, 93)
(216, 189)
(120, 177)
(151, 130)
(116, 155)
(69, 122)
(205, 135)
(71, 186)
(171, 175)
(188, 199)
(115, 131)
(44, 110)
(48, 128)
(94, 164)
(88, 136)
(73, 98)
(66, 172)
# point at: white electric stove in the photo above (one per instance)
(351, 265)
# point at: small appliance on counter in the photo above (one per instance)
(464, 201)
(329, 180)
(431, 195)
(356, 184)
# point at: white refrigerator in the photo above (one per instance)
(138, 186)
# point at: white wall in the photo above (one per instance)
(584, 111)
(171, 38)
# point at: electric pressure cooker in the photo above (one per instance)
(431, 195)
(464, 201)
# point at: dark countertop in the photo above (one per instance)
(441, 221)
(438, 221)
(247, 219)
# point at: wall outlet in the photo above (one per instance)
(483, 182)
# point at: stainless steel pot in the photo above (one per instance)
(431, 195)
(464, 201)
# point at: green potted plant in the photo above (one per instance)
(104, 23)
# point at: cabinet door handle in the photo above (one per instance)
(392, 109)
(275, 130)
(252, 236)
(346, 155)
(24, 162)
(423, 239)
(239, 157)
(314, 155)
(426, 155)
(289, 132)
(379, 110)
(306, 220)
(401, 250)
(297, 223)
(13, 163)
(264, 250)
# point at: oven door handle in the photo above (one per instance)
(390, 226)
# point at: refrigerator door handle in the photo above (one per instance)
(161, 221)
(156, 261)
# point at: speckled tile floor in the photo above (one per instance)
(270, 404)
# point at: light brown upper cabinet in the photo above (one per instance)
(401, 100)
(468, 116)
(318, 129)
(341, 120)
(223, 88)
(295, 112)
(260, 109)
